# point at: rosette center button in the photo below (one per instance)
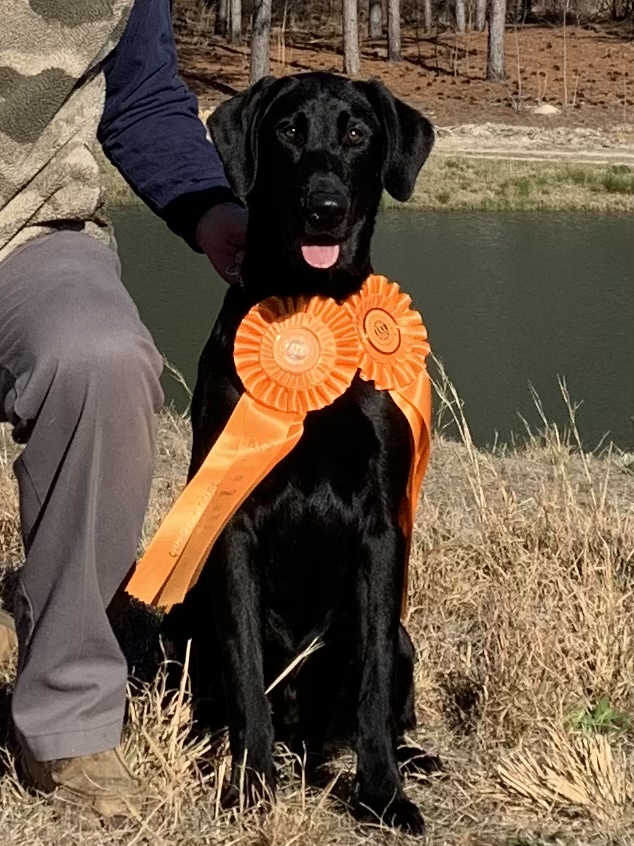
(296, 350)
(382, 331)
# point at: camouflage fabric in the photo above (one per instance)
(51, 100)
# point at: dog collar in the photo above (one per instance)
(293, 355)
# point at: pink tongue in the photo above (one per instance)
(320, 257)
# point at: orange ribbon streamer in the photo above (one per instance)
(237, 464)
(415, 403)
(293, 355)
(394, 348)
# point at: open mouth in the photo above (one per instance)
(320, 256)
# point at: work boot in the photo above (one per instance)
(8, 637)
(99, 785)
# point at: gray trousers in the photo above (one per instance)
(79, 383)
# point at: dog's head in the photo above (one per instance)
(310, 155)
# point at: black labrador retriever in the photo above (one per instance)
(316, 550)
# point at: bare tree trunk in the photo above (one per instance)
(427, 15)
(220, 26)
(351, 64)
(375, 19)
(565, 52)
(481, 15)
(460, 16)
(235, 21)
(495, 57)
(394, 30)
(260, 40)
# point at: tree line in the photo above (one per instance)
(378, 19)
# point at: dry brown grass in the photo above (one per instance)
(522, 614)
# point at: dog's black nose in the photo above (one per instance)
(325, 211)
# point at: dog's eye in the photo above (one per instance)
(290, 133)
(354, 135)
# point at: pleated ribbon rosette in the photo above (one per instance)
(293, 355)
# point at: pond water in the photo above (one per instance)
(509, 300)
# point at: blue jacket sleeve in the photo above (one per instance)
(150, 128)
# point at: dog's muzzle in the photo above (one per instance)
(325, 211)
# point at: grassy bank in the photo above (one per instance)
(522, 612)
(499, 185)
(507, 185)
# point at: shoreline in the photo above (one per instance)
(455, 182)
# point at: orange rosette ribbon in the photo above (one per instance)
(296, 354)
(293, 355)
(394, 348)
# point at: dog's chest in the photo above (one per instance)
(353, 453)
(344, 479)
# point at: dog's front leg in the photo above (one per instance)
(236, 598)
(380, 789)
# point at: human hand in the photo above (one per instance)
(221, 234)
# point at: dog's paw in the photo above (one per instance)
(399, 813)
(412, 760)
(405, 815)
(253, 789)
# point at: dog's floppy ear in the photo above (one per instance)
(409, 138)
(234, 127)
